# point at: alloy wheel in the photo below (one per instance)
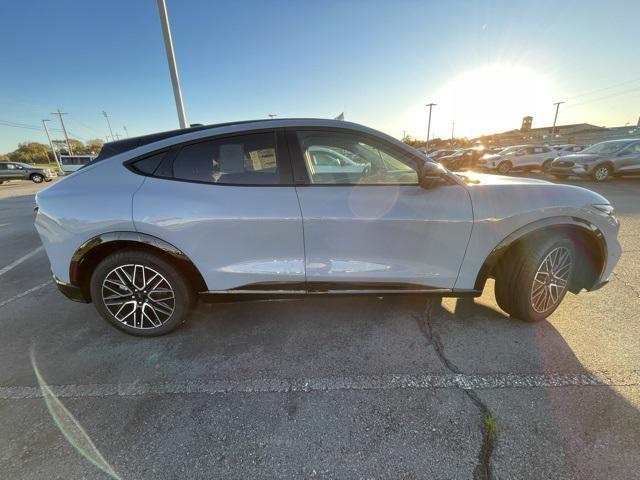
(551, 279)
(601, 173)
(138, 296)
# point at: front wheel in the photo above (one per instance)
(546, 166)
(504, 168)
(602, 173)
(532, 280)
(141, 293)
(37, 178)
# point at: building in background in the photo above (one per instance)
(577, 133)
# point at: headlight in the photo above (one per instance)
(607, 210)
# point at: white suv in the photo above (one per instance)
(519, 158)
(240, 211)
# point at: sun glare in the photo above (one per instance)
(486, 100)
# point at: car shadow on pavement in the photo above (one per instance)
(570, 427)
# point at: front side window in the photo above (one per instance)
(239, 160)
(349, 159)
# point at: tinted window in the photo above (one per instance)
(3, 166)
(238, 160)
(148, 165)
(345, 158)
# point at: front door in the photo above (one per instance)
(369, 224)
(629, 159)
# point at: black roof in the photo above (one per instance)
(114, 148)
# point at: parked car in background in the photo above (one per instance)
(464, 158)
(441, 153)
(334, 160)
(562, 150)
(238, 211)
(601, 161)
(25, 171)
(71, 163)
(519, 158)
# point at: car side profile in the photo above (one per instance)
(237, 211)
(601, 161)
(519, 158)
(24, 171)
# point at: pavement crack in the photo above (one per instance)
(482, 470)
(626, 284)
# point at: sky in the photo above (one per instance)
(486, 64)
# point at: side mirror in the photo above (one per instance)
(430, 174)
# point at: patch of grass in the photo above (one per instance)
(491, 424)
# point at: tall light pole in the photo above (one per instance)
(555, 118)
(108, 123)
(453, 129)
(64, 130)
(171, 59)
(55, 155)
(430, 105)
(272, 116)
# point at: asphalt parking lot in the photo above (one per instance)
(319, 388)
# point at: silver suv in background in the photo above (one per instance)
(24, 171)
(518, 158)
(241, 211)
(601, 161)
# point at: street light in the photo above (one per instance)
(555, 118)
(171, 59)
(430, 105)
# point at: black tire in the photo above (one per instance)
(179, 307)
(36, 178)
(546, 165)
(515, 289)
(504, 167)
(602, 173)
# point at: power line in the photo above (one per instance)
(617, 94)
(598, 90)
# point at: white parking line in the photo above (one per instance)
(20, 260)
(25, 293)
(361, 382)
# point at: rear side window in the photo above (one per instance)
(148, 165)
(239, 160)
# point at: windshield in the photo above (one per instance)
(607, 147)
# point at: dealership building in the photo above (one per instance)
(577, 133)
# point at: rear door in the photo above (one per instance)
(376, 227)
(230, 205)
(14, 172)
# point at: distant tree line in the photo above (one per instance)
(34, 152)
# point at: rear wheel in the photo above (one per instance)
(546, 166)
(602, 173)
(141, 293)
(504, 168)
(533, 279)
(36, 178)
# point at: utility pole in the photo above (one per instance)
(66, 137)
(404, 134)
(453, 128)
(171, 59)
(55, 155)
(430, 105)
(126, 132)
(555, 118)
(108, 123)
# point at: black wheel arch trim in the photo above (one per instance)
(122, 236)
(513, 237)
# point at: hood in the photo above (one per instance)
(582, 157)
